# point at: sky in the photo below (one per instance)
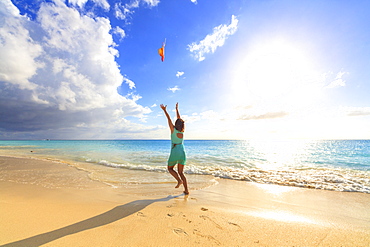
(90, 69)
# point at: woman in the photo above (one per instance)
(177, 156)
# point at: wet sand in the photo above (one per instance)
(53, 204)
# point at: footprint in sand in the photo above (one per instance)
(209, 237)
(236, 225)
(180, 232)
(141, 214)
(207, 218)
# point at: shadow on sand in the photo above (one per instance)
(106, 218)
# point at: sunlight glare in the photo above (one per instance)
(276, 190)
(280, 153)
(283, 216)
(273, 70)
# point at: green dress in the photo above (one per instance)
(177, 155)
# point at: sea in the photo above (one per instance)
(337, 165)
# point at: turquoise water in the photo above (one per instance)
(341, 165)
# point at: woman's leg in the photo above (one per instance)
(175, 175)
(180, 168)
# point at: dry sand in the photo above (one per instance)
(35, 209)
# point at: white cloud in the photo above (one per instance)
(120, 32)
(59, 73)
(338, 81)
(207, 115)
(210, 114)
(267, 115)
(173, 89)
(357, 111)
(151, 3)
(8, 8)
(240, 113)
(212, 41)
(81, 51)
(124, 11)
(194, 1)
(179, 74)
(133, 96)
(130, 83)
(81, 3)
(18, 50)
(191, 119)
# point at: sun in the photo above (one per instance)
(273, 71)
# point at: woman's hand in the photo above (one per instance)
(177, 105)
(163, 107)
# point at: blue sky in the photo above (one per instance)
(89, 69)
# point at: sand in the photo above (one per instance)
(41, 207)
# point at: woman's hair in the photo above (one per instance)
(180, 125)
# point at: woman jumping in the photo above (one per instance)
(177, 156)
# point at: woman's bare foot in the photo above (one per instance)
(186, 192)
(178, 184)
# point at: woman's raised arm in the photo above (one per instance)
(177, 110)
(170, 124)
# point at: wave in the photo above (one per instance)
(334, 179)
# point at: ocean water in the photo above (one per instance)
(340, 165)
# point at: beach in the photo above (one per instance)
(84, 212)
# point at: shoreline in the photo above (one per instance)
(230, 213)
(275, 168)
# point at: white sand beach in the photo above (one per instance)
(230, 213)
